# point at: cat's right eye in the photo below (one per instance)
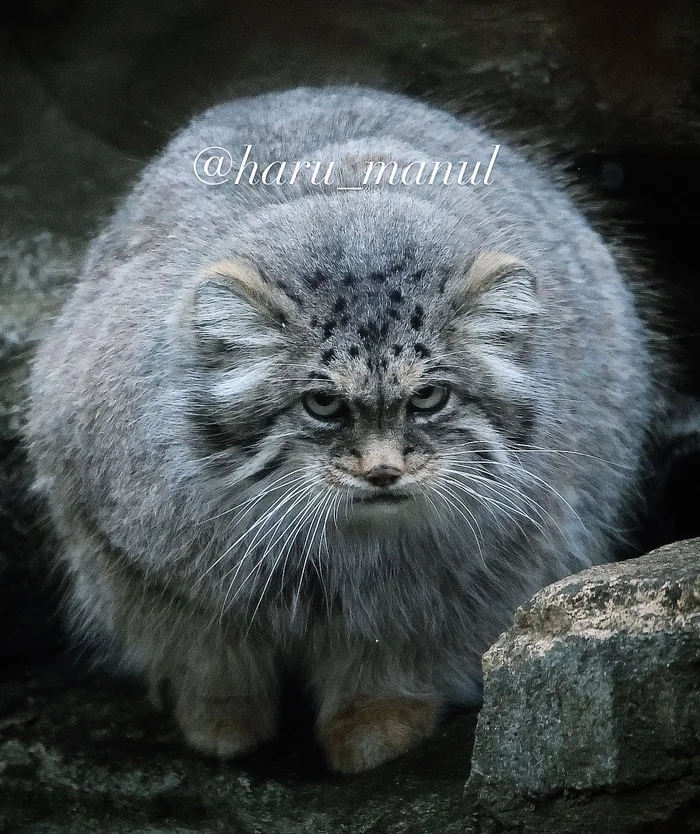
(324, 406)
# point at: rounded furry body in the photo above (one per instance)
(216, 532)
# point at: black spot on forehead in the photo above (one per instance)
(373, 328)
(315, 279)
(421, 350)
(327, 356)
(417, 317)
(340, 304)
(397, 349)
(396, 295)
(384, 274)
(354, 351)
(328, 327)
(367, 333)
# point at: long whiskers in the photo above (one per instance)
(440, 491)
(261, 521)
(259, 538)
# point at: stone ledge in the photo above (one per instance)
(592, 704)
(87, 755)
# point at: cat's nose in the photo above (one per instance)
(383, 475)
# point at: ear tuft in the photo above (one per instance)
(245, 280)
(495, 283)
(236, 308)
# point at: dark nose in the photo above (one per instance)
(383, 476)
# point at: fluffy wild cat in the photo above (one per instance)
(335, 431)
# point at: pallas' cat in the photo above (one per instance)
(341, 426)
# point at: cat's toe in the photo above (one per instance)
(370, 732)
(225, 742)
(224, 727)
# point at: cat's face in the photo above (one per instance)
(368, 380)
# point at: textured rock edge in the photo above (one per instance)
(591, 718)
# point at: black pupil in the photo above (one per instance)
(426, 393)
(324, 400)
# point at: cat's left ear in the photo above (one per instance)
(232, 307)
(496, 286)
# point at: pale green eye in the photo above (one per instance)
(324, 406)
(429, 399)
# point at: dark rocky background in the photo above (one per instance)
(89, 90)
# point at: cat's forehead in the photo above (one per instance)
(341, 259)
(379, 325)
(368, 277)
(373, 317)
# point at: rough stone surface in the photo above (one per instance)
(592, 704)
(87, 756)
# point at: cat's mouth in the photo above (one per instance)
(382, 498)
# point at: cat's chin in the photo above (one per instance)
(379, 510)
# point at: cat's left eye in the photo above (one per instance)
(324, 406)
(429, 399)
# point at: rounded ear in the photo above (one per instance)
(495, 283)
(235, 308)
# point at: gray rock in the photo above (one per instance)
(591, 719)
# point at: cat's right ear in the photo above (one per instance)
(234, 307)
(495, 304)
(496, 283)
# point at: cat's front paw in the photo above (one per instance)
(225, 727)
(369, 732)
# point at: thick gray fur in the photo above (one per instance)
(162, 401)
